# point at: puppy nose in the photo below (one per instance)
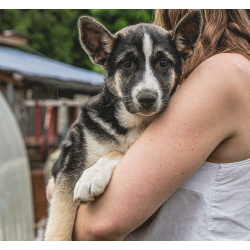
(147, 98)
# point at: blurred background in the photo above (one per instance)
(44, 79)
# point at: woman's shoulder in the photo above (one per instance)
(229, 58)
(214, 99)
(227, 73)
(227, 65)
(218, 85)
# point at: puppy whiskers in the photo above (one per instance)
(113, 101)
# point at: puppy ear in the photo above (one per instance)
(95, 39)
(187, 33)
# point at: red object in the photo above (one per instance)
(38, 122)
(51, 128)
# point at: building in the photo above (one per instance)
(45, 96)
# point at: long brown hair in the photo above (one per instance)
(223, 31)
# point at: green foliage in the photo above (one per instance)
(54, 32)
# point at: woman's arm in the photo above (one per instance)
(198, 118)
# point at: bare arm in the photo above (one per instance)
(199, 117)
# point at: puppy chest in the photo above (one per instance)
(127, 140)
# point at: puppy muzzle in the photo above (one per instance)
(147, 99)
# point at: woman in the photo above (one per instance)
(191, 168)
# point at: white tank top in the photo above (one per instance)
(214, 204)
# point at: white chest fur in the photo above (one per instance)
(96, 149)
(135, 124)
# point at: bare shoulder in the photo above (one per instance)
(230, 67)
(218, 88)
(216, 95)
(229, 59)
(225, 75)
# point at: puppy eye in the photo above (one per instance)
(127, 63)
(163, 63)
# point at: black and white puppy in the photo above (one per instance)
(143, 64)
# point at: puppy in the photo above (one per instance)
(143, 64)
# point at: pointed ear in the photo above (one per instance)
(95, 39)
(187, 33)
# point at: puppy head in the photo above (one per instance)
(143, 63)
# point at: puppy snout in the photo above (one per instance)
(147, 98)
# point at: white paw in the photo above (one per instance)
(91, 184)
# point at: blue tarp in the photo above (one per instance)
(34, 65)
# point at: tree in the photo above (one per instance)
(54, 33)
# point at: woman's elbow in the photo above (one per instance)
(98, 230)
(106, 231)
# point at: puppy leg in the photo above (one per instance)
(95, 179)
(62, 212)
(50, 188)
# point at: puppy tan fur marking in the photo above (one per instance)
(61, 215)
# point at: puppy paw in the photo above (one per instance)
(91, 184)
(95, 179)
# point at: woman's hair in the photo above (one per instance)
(223, 31)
